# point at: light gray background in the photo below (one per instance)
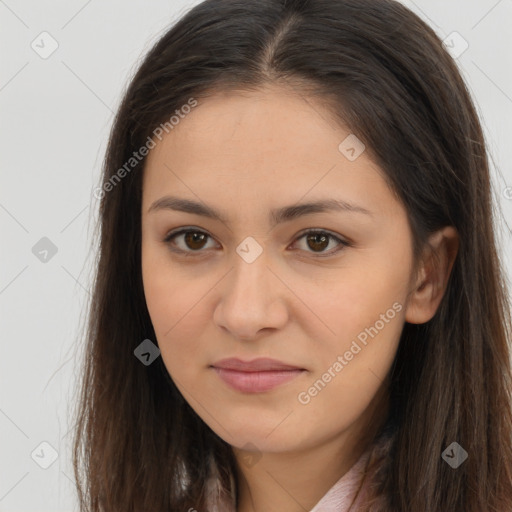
(56, 114)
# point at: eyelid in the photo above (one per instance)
(180, 231)
(343, 242)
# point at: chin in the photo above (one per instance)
(260, 436)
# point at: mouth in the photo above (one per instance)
(256, 376)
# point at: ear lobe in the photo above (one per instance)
(430, 286)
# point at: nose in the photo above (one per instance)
(252, 300)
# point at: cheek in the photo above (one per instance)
(350, 367)
(365, 313)
(175, 305)
(363, 299)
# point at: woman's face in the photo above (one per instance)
(254, 284)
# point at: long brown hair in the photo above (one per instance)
(381, 71)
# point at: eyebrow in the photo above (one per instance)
(277, 216)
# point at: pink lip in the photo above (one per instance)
(255, 376)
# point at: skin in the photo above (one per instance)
(245, 154)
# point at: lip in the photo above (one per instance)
(261, 364)
(256, 376)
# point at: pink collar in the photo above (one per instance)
(339, 498)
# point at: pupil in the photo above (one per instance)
(315, 238)
(192, 237)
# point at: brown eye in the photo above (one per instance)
(195, 240)
(318, 241)
(191, 242)
(187, 241)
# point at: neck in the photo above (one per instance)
(290, 480)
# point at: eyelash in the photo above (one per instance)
(173, 234)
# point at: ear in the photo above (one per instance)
(432, 278)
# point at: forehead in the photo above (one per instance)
(254, 126)
(258, 144)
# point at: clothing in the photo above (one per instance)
(339, 498)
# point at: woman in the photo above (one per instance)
(298, 303)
